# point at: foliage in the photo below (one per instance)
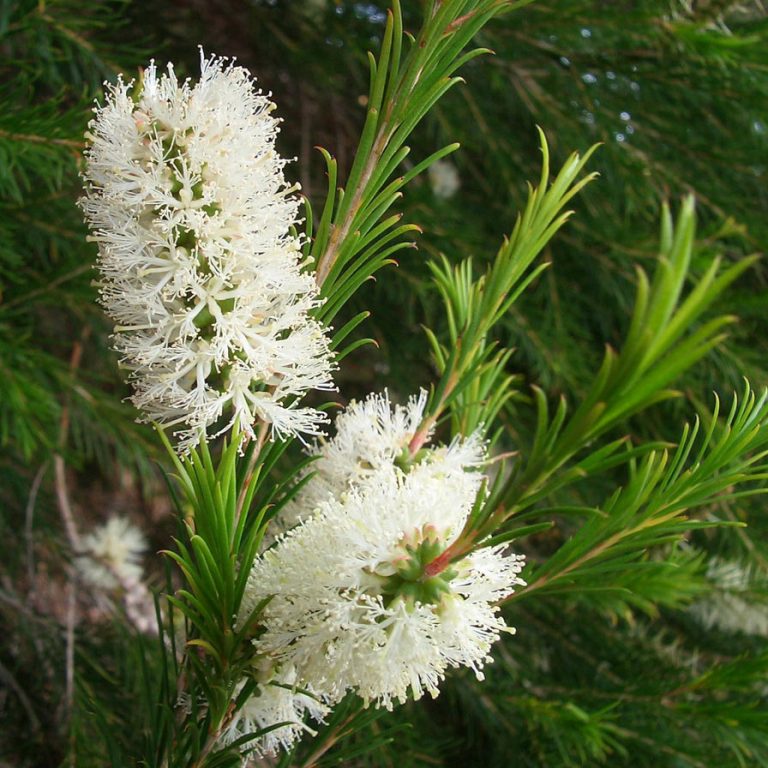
(622, 502)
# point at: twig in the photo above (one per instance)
(47, 286)
(62, 499)
(65, 509)
(329, 741)
(249, 471)
(429, 421)
(11, 682)
(214, 735)
(30, 545)
(339, 231)
(14, 602)
(45, 621)
(69, 690)
(77, 39)
(34, 139)
(596, 551)
(60, 474)
(28, 519)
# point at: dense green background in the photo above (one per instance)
(678, 95)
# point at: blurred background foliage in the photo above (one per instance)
(676, 92)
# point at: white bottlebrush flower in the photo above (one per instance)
(110, 555)
(186, 198)
(444, 179)
(279, 699)
(355, 604)
(372, 435)
(736, 603)
(109, 561)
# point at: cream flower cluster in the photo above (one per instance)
(354, 603)
(371, 436)
(186, 198)
(277, 699)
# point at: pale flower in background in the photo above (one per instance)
(110, 562)
(444, 179)
(111, 554)
(200, 269)
(734, 603)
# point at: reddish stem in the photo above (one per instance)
(455, 551)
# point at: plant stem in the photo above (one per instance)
(250, 469)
